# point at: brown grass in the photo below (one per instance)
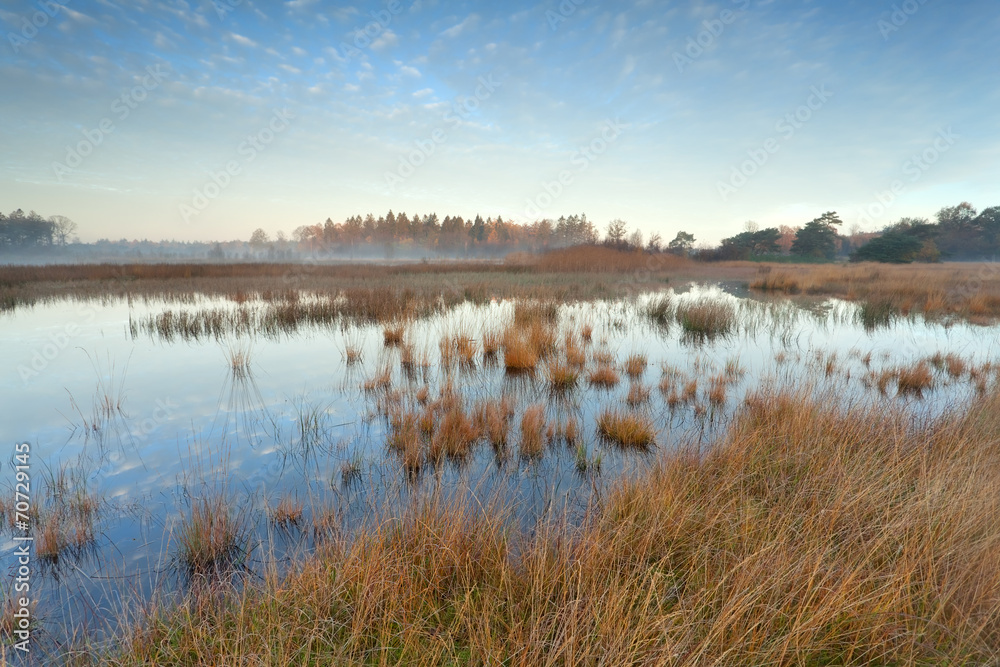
(454, 435)
(968, 290)
(405, 438)
(806, 536)
(518, 355)
(576, 356)
(604, 376)
(287, 513)
(915, 380)
(717, 389)
(532, 430)
(492, 419)
(381, 381)
(638, 394)
(211, 535)
(561, 376)
(492, 342)
(626, 429)
(598, 259)
(635, 365)
(392, 335)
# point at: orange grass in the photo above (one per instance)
(604, 376)
(626, 429)
(970, 290)
(806, 535)
(532, 430)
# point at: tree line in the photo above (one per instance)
(21, 230)
(451, 234)
(958, 233)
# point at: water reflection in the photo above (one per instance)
(158, 422)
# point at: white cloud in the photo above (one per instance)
(410, 71)
(387, 38)
(459, 28)
(241, 40)
(423, 92)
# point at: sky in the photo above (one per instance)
(204, 120)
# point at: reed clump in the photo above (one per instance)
(533, 423)
(492, 419)
(604, 376)
(626, 429)
(635, 365)
(393, 334)
(706, 317)
(212, 535)
(562, 376)
(287, 513)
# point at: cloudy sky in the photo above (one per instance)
(203, 120)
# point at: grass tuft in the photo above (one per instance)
(626, 429)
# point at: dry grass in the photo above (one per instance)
(405, 439)
(707, 317)
(717, 388)
(392, 335)
(638, 394)
(211, 536)
(626, 429)
(915, 380)
(532, 431)
(604, 376)
(562, 377)
(287, 513)
(635, 365)
(454, 435)
(492, 342)
(381, 381)
(806, 536)
(576, 356)
(598, 259)
(968, 290)
(492, 419)
(518, 355)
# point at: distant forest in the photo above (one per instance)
(957, 233)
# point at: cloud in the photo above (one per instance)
(410, 71)
(387, 38)
(470, 21)
(241, 40)
(423, 92)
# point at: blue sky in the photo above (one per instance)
(204, 120)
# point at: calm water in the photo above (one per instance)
(183, 422)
